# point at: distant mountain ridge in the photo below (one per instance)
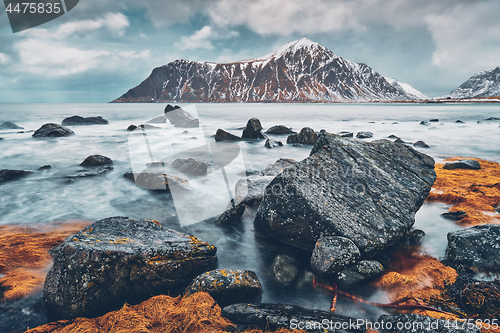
(482, 84)
(300, 71)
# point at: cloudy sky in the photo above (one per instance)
(102, 48)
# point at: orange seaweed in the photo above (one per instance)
(476, 192)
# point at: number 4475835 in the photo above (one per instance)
(34, 8)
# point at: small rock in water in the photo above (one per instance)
(252, 129)
(345, 134)
(392, 136)
(227, 286)
(185, 132)
(424, 123)
(434, 120)
(364, 135)
(9, 125)
(2, 139)
(307, 136)
(280, 129)
(190, 166)
(398, 140)
(284, 270)
(333, 254)
(96, 160)
(395, 123)
(8, 175)
(462, 164)
(193, 138)
(270, 143)
(459, 122)
(51, 130)
(155, 180)
(479, 122)
(371, 122)
(45, 167)
(131, 127)
(77, 120)
(222, 135)
(421, 144)
(493, 118)
(475, 247)
(92, 173)
(415, 237)
(457, 215)
(359, 272)
(232, 214)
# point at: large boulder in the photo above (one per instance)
(280, 129)
(190, 166)
(272, 317)
(252, 129)
(51, 130)
(368, 192)
(8, 175)
(476, 247)
(180, 118)
(307, 136)
(222, 135)
(9, 125)
(227, 286)
(77, 120)
(96, 160)
(120, 259)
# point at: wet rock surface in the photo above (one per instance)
(367, 192)
(77, 120)
(476, 247)
(358, 273)
(250, 190)
(51, 130)
(270, 143)
(307, 136)
(20, 315)
(462, 164)
(280, 129)
(457, 215)
(96, 160)
(364, 135)
(222, 135)
(227, 286)
(180, 118)
(284, 270)
(278, 167)
(421, 144)
(9, 175)
(415, 323)
(252, 129)
(333, 254)
(190, 166)
(9, 125)
(346, 134)
(276, 316)
(121, 259)
(151, 180)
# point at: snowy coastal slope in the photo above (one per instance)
(482, 84)
(300, 71)
(406, 88)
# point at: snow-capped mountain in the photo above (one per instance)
(300, 71)
(406, 88)
(482, 84)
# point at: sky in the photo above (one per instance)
(101, 48)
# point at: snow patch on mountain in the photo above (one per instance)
(406, 88)
(482, 84)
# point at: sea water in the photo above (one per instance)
(48, 195)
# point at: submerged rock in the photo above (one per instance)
(284, 270)
(367, 192)
(77, 120)
(421, 144)
(462, 164)
(252, 129)
(222, 135)
(275, 316)
(434, 120)
(364, 135)
(120, 259)
(280, 129)
(96, 160)
(476, 247)
(19, 315)
(415, 323)
(457, 215)
(180, 118)
(227, 286)
(155, 180)
(92, 173)
(333, 254)
(460, 122)
(307, 136)
(346, 134)
(8, 175)
(424, 123)
(270, 143)
(51, 130)
(359, 272)
(45, 167)
(9, 125)
(190, 166)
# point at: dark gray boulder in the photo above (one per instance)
(364, 135)
(158, 181)
(51, 130)
(284, 270)
(456, 215)
(232, 214)
(45, 167)
(272, 317)
(9, 175)
(181, 118)
(252, 129)
(476, 247)
(358, 273)
(307, 136)
(120, 259)
(190, 166)
(96, 160)
(421, 144)
(392, 136)
(462, 164)
(270, 143)
(222, 135)
(434, 120)
(2, 139)
(9, 125)
(227, 286)
(492, 118)
(460, 122)
(333, 254)
(278, 167)
(424, 123)
(280, 129)
(77, 120)
(415, 323)
(367, 192)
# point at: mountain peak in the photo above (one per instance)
(483, 84)
(292, 47)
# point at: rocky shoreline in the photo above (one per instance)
(349, 207)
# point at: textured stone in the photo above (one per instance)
(280, 129)
(8, 175)
(155, 180)
(77, 120)
(222, 135)
(52, 130)
(96, 160)
(358, 273)
(462, 164)
(364, 135)
(121, 259)
(277, 167)
(252, 129)
(284, 270)
(307, 136)
(333, 254)
(421, 144)
(190, 166)
(9, 125)
(270, 143)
